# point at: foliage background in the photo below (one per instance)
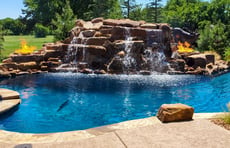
(210, 18)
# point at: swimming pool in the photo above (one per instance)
(58, 102)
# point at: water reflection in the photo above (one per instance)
(95, 100)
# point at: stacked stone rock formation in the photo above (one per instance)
(113, 46)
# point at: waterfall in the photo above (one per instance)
(75, 50)
(156, 60)
(129, 62)
(154, 53)
(119, 49)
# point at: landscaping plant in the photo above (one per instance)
(227, 115)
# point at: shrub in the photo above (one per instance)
(227, 115)
(227, 57)
(41, 31)
(214, 37)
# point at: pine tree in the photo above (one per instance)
(128, 6)
(102, 8)
(154, 9)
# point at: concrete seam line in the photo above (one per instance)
(120, 139)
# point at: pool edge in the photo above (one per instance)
(22, 138)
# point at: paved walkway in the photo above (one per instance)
(199, 133)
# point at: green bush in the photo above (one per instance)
(40, 31)
(13, 26)
(227, 115)
(227, 55)
(215, 38)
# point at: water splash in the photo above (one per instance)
(156, 60)
(129, 61)
(76, 53)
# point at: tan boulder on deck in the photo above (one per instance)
(175, 112)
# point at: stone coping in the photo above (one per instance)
(7, 105)
(9, 99)
(6, 94)
(22, 138)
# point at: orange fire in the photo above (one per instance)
(184, 47)
(25, 49)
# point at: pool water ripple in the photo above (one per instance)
(58, 102)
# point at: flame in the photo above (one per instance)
(184, 47)
(25, 49)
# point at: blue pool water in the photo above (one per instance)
(60, 102)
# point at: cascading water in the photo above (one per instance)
(155, 60)
(74, 50)
(139, 50)
(129, 61)
(154, 54)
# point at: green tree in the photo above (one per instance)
(106, 9)
(219, 11)
(63, 22)
(154, 10)
(195, 14)
(13, 26)
(185, 13)
(115, 11)
(40, 31)
(139, 13)
(42, 11)
(128, 6)
(214, 37)
(81, 8)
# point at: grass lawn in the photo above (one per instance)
(12, 43)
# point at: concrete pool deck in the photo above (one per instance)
(148, 132)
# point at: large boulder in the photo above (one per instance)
(139, 33)
(95, 41)
(95, 50)
(182, 36)
(88, 33)
(97, 20)
(177, 65)
(53, 54)
(175, 112)
(79, 23)
(115, 66)
(149, 26)
(28, 66)
(5, 74)
(197, 60)
(134, 47)
(122, 22)
(120, 33)
(52, 46)
(26, 58)
(210, 58)
(12, 65)
(151, 36)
